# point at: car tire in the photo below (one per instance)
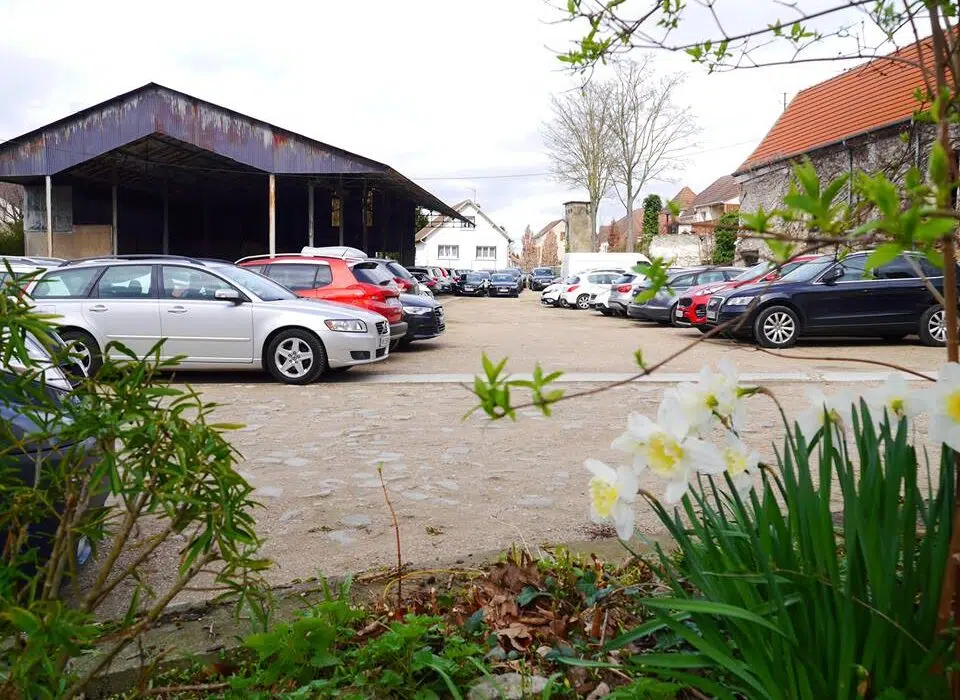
(583, 302)
(606, 312)
(933, 329)
(307, 346)
(563, 303)
(394, 344)
(86, 347)
(776, 327)
(673, 317)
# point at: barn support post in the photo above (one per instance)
(273, 215)
(310, 212)
(363, 217)
(116, 217)
(49, 186)
(166, 220)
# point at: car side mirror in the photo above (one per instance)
(228, 295)
(832, 275)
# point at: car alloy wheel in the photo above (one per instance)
(293, 358)
(83, 349)
(583, 301)
(779, 328)
(937, 327)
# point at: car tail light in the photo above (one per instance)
(573, 287)
(404, 284)
(624, 288)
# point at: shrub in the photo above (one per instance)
(725, 238)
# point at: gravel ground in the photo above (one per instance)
(466, 485)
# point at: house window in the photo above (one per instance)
(335, 206)
(368, 209)
(472, 224)
(448, 251)
(486, 252)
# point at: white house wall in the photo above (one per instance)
(467, 241)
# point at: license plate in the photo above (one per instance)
(393, 301)
(468, 289)
(383, 342)
(711, 315)
(679, 313)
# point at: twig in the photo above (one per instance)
(879, 363)
(172, 689)
(396, 529)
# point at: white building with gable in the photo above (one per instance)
(455, 244)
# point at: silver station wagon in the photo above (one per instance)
(214, 314)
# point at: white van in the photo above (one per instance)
(575, 263)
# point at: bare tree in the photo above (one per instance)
(11, 203)
(578, 141)
(550, 253)
(649, 132)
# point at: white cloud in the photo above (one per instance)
(435, 88)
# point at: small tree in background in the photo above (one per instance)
(528, 251)
(422, 219)
(652, 206)
(725, 238)
(616, 241)
(550, 254)
(11, 219)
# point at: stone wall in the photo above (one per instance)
(892, 151)
(578, 227)
(682, 248)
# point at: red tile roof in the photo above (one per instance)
(874, 95)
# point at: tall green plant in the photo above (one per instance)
(652, 206)
(784, 602)
(725, 238)
(155, 450)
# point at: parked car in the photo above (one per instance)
(692, 306)
(406, 282)
(503, 284)
(444, 280)
(474, 284)
(439, 285)
(20, 266)
(541, 278)
(357, 281)
(662, 307)
(214, 314)
(623, 290)
(550, 296)
(580, 294)
(518, 276)
(26, 457)
(426, 280)
(831, 297)
(601, 303)
(424, 318)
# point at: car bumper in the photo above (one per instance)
(740, 324)
(646, 313)
(398, 330)
(503, 291)
(422, 327)
(348, 349)
(473, 292)
(549, 299)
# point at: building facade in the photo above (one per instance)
(557, 229)
(475, 244)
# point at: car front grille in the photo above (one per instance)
(382, 327)
(438, 315)
(381, 352)
(700, 310)
(714, 303)
(685, 302)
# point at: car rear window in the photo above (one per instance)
(299, 277)
(66, 284)
(399, 270)
(372, 273)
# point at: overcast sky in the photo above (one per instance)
(451, 93)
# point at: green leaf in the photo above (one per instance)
(529, 594)
(883, 254)
(697, 605)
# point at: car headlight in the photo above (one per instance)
(417, 310)
(346, 325)
(739, 301)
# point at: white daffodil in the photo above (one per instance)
(741, 462)
(667, 451)
(713, 397)
(943, 405)
(895, 397)
(836, 409)
(613, 493)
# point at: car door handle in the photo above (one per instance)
(98, 309)
(177, 310)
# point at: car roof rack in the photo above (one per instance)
(133, 256)
(333, 251)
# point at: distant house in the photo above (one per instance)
(720, 197)
(479, 245)
(556, 228)
(669, 223)
(862, 119)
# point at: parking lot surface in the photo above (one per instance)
(464, 485)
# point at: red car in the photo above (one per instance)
(361, 282)
(692, 306)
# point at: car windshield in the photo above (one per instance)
(265, 289)
(754, 271)
(572, 279)
(541, 271)
(502, 277)
(475, 278)
(625, 279)
(808, 270)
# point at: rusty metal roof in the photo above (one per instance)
(154, 133)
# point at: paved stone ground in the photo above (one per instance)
(469, 485)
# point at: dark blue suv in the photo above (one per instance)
(831, 297)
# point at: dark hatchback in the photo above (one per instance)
(662, 308)
(424, 317)
(541, 278)
(504, 284)
(473, 284)
(831, 297)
